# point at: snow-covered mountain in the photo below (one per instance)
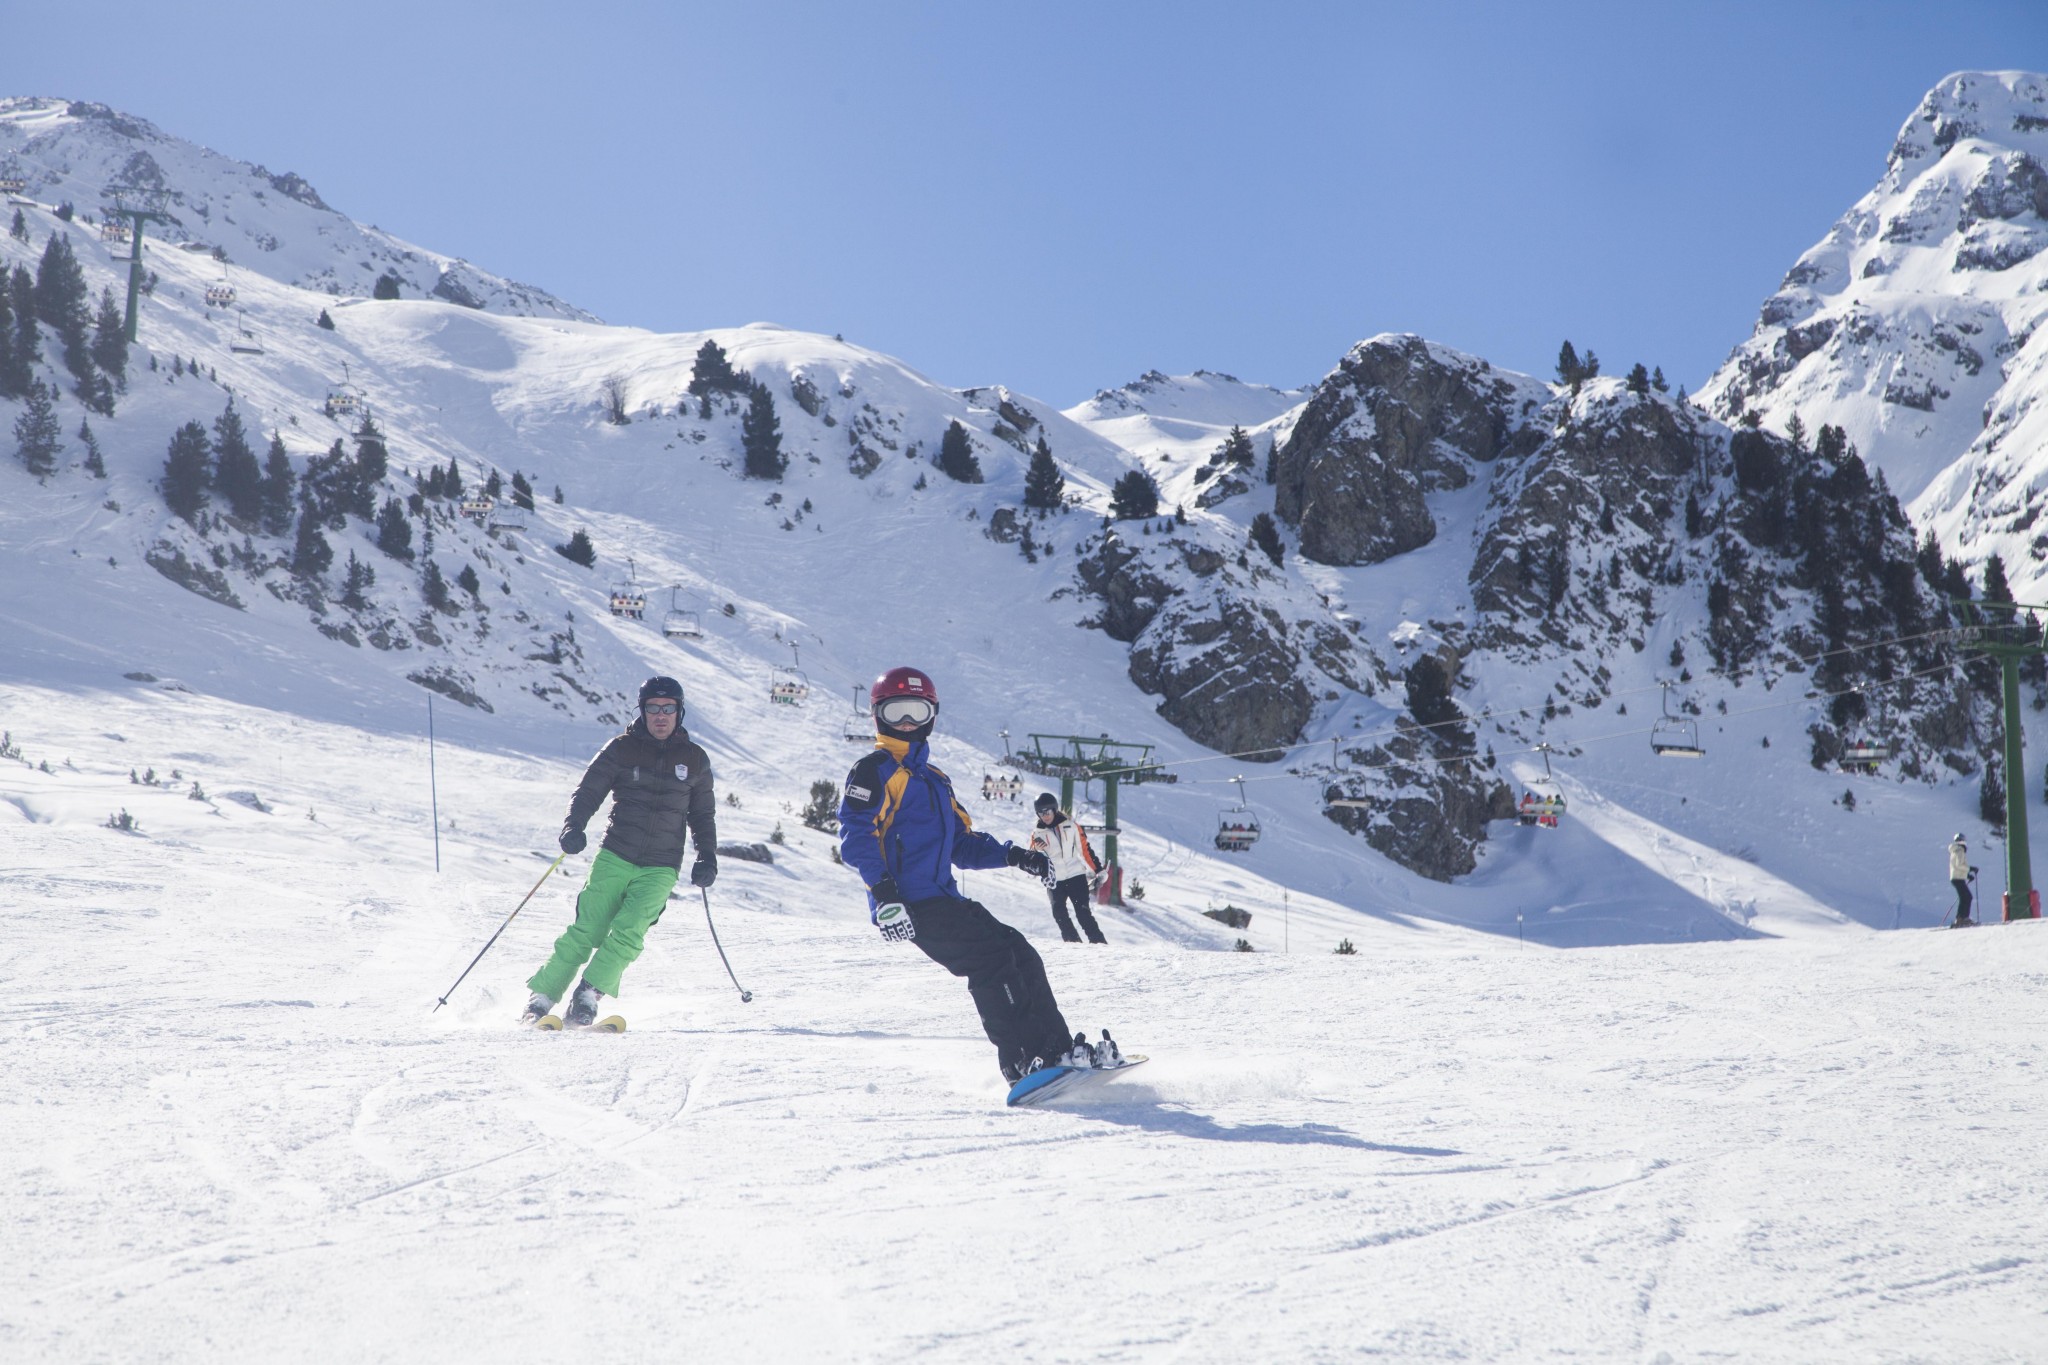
(1914, 325)
(270, 224)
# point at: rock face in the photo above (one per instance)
(1398, 419)
(1428, 812)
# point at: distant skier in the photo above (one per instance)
(1074, 867)
(660, 782)
(902, 831)
(1959, 874)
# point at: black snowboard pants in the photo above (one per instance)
(1004, 974)
(1074, 890)
(1962, 897)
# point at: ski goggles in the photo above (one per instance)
(896, 711)
(663, 708)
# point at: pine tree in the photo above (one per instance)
(311, 554)
(18, 229)
(1134, 495)
(13, 378)
(1795, 432)
(36, 433)
(713, 372)
(1266, 536)
(468, 581)
(494, 487)
(277, 487)
(451, 483)
(236, 476)
(21, 299)
(1045, 487)
(110, 340)
(1996, 587)
(522, 492)
(579, 550)
(372, 462)
(1569, 370)
(386, 286)
(1639, 379)
(1273, 460)
(956, 455)
(358, 579)
(95, 463)
(188, 468)
(60, 287)
(761, 436)
(1236, 449)
(324, 322)
(1657, 380)
(394, 532)
(434, 588)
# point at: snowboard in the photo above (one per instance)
(552, 1023)
(1049, 1082)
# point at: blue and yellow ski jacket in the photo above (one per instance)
(898, 818)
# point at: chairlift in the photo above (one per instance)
(220, 294)
(860, 726)
(478, 509)
(344, 399)
(12, 181)
(1674, 736)
(244, 341)
(1542, 800)
(788, 686)
(1237, 828)
(678, 623)
(628, 598)
(1863, 755)
(112, 230)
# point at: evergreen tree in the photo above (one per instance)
(188, 469)
(95, 463)
(1658, 382)
(110, 340)
(451, 483)
(1237, 449)
(358, 579)
(1266, 536)
(1569, 370)
(1996, 588)
(1589, 367)
(1273, 460)
(311, 554)
(956, 455)
(18, 229)
(21, 299)
(434, 588)
(1045, 487)
(494, 487)
(558, 495)
(713, 373)
(468, 581)
(236, 476)
(1795, 432)
(579, 550)
(13, 378)
(60, 287)
(435, 485)
(1639, 379)
(277, 487)
(36, 432)
(394, 531)
(324, 322)
(761, 436)
(372, 462)
(386, 286)
(522, 492)
(1134, 495)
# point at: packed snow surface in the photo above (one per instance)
(239, 1130)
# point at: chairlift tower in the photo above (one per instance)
(2002, 634)
(139, 206)
(1071, 757)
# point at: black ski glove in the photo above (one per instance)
(704, 871)
(890, 914)
(573, 840)
(1028, 860)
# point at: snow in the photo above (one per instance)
(1756, 1111)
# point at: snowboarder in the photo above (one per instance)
(1959, 875)
(1075, 867)
(902, 831)
(660, 782)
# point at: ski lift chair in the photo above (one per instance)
(10, 183)
(788, 686)
(1237, 828)
(627, 600)
(340, 403)
(859, 726)
(1542, 802)
(478, 509)
(111, 229)
(220, 295)
(1674, 736)
(1863, 755)
(244, 341)
(679, 624)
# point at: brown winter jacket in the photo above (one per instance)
(657, 789)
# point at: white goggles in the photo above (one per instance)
(906, 711)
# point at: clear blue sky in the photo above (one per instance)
(1059, 196)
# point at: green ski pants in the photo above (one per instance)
(619, 904)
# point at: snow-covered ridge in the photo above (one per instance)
(274, 225)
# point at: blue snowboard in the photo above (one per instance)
(1048, 1082)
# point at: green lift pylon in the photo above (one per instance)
(138, 206)
(1109, 761)
(1997, 630)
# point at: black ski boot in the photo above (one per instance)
(583, 1005)
(538, 1007)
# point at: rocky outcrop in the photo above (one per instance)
(1397, 419)
(1426, 811)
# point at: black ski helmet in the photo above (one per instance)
(1046, 801)
(659, 686)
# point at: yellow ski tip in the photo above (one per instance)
(549, 1023)
(611, 1023)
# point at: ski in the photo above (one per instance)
(553, 1023)
(1049, 1082)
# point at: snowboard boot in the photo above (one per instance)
(1107, 1053)
(538, 1007)
(583, 1005)
(1081, 1054)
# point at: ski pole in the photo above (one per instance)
(746, 996)
(501, 929)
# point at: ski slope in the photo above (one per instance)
(238, 1131)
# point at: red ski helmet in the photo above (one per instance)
(904, 685)
(903, 682)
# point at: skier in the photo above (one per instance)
(1959, 874)
(1075, 867)
(902, 831)
(659, 781)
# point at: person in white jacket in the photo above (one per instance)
(1959, 874)
(1074, 868)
